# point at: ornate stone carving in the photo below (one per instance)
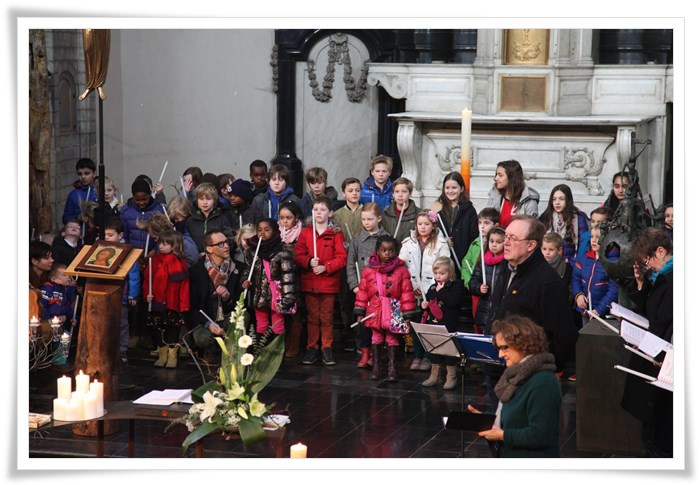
(451, 162)
(338, 53)
(409, 141)
(580, 165)
(394, 84)
(274, 57)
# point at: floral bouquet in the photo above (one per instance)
(231, 402)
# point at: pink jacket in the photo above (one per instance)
(397, 284)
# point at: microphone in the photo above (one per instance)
(189, 351)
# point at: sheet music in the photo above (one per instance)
(631, 333)
(166, 397)
(653, 345)
(629, 315)
(665, 380)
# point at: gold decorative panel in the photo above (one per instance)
(526, 47)
(524, 93)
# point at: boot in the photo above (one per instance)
(451, 380)
(291, 339)
(172, 357)
(162, 356)
(364, 360)
(433, 378)
(376, 357)
(393, 374)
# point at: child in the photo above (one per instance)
(140, 207)
(240, 254)
(169, 296)
(493, 255)
(92, 215)
(403, 188)
(488, 218)
(66, 245)
(240, 196)
(552, 250)
(419, 251)
(385, 276)
(564, 218)
(87, 171)
(321, 255)
(593, 291)
(114, 232)
(442, 305)
(207, 216)
(668, 221)
(158, 188)
(57, 298)
(598, 216)
(258, 177)
(267, 203)
(191, 178)
(225, 181)
(316, 181)
(620, 182)
(360, 249)
(290, 228)
(274, 263)
(179, 210)
(377, 187)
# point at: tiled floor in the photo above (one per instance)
(337, 411)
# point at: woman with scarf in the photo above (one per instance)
(527, 418)
(652, 294)
(564, 218)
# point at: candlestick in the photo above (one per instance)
(298, 451)
(357, 268)
(64, 386)
(349, 233)
(34, 327)
(153, 194)
(60, 406)
(65, 343)
(98, 388)
(466, 149)
(481, 248)
(396, 231)
(82, 382)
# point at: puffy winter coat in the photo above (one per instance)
(371, 193)
(589, 276)
(171, 283)
(420, 263)
(130, 215)
(57, 300)
(78, 195)
(330, 247)
(397, 284)
(450, 298)
(527, 205)
(282, 269)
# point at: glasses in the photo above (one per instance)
(502, 348)
(219, 244)
(512, 239)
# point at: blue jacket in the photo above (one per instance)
(130, 215)
(370, 191)
(589, 276)
(57, 300)
(260, 202)
(71, 211)
(132, 286)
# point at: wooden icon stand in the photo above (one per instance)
(98, 335)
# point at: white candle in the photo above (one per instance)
(372, 196)
(75, 307)
(73, 411)
(145, 247)
(590, 303)
(150, 281)
(297, 451)
(166, 213)
(269, 208)
(452, 250)
(121, 199)
(60, 406)
(349, 233)
(240, 221)
(153, 194)
(90, 406)
(313, 224)
(64, 385)
(182, 184)
(398, 224)
(78, 397)
(82, 382)
(481, 248)
(357, 268)
(98, 389)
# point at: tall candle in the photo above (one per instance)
(349, 233)
(73, 410)
(313, 224)
(145, 248)
(153, 194)
(60, 406)
(98, 388)
(90, 406)
(357, 268)
(75, 307)
(165, 211)
(466, 148)
(297, 451)
(82, 382)
(240, 221)
(481, 248)
(78, 397)
(64, 385)
(398, 224)
(269, 208)
(150, 281)
(182, 184)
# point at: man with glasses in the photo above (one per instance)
(214, 289)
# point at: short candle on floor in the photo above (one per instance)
(298, 451)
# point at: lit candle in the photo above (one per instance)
(90, 406)
(466, 148)
(82, 382)
(73, 411)
(64, 387)
(98, 388)
(297, 451)
(55, 321)
(78, 397)
(60, 406)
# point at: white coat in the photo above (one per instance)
(420, 265)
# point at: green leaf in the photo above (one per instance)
(221, 343)
(198, 394)
(251, 431)
(222, 376)
(266, 364)
(199, 433)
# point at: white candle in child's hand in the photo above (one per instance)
(150, 281)
(590, 303)
(313, 223)
(396, 231)
(357, 268)
(297, 451)
(121, 199)
(90, 406)
(240, 221)
(82, 382)
(269, 208)
(59, 408)
(64, 387)
(182, 184)
(481, 248)
(98, 388)
(349, 233)
(75, 307)
(153, 194)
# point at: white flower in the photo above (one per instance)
(235, 392)
(210, 404)
(257, 408)
(245, 341)
(240, 323)
(247, 359)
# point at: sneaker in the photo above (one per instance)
(310, 357)
(327, 357)
(124, 359)
(572, 378)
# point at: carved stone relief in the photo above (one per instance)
(338, 53)
(580, 165)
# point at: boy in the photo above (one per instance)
(488, 219)
(240, 196)
(402, 190)
(207, 216)
(87, 171)
(316, 181)
(267, 203)
(349, 220)
(57, 298)
(598, 216)
(114, 232)
(321, 256)
(190, 180)
(65, 246)
(225, 180)
(258, 177)
(139, 207)
(377, 187)
(553, 251)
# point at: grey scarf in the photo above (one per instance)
(518, 374)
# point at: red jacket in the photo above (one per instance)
(397, 284)
(331, 253)
(171, 283)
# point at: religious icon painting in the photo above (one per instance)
(104, 257)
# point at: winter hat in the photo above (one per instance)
(210, 178)
(242, 189)
(140, 186)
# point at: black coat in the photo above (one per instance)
(450, 298)
(202, 294)
(198, 226)
(493, 273)
(62, 252)
(464, 230)
(539, 293)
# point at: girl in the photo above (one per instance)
(668, 221)
(274, 263)
(496, 238)
(589, 280)
(510, 195)
(360, 250)
(457, 214)
(419, 251)
(442, 303)
(385, 276)
(179, 210)
(290, 225)
(564, 218)
(169, 295)
(621, 181)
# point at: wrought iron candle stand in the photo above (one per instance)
(43, 352)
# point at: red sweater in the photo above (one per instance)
(331, 253)
(171, 283)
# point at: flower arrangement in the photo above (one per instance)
(231, 401)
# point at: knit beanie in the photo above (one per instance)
(242, 189)
(140, 186)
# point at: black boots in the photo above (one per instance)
(393, 374)
(376, 357)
